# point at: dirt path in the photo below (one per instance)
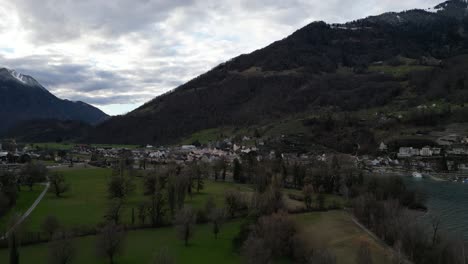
(28, 212)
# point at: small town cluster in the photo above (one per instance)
(446, 158)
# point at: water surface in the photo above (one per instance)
(447, 200)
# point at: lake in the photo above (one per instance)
(447, 200)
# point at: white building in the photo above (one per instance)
(458, 151)
(406, 152)
(426, 151)
(383, 147)
(188, 147)
(436, 151)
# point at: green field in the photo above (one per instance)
(215, 190)
(331, 230)
(25, 199)
(86, 203)
(141, 245)
(83, 205)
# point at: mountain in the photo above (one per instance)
(22, 98)
(338, 84)
(48, 130)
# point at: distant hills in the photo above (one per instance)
(22, 98)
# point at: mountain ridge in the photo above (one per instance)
(22, 98)
(317, 68)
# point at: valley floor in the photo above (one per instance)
(86, 203)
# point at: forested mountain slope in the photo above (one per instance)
(395, 59)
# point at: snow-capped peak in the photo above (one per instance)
(18, 76)
(21, 78)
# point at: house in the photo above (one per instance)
(426, 151)
(448, 140)
(464, 141)
(406, 152)
(458, 151)
(188, 147)
(157, 154)
(436, 151)
(3, 156)
(383, 147)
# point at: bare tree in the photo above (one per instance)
(185, 220)
(273, 236)
(121, 182)
(262, 177)
(178, 182)
(114, 211)
(61, 249)
(271, 201)
(142, 212)
(157, 208)
(255, 251)
(163, 257)
(233, 202)
(33, 173)
(150, 183)
(321, 201)
(110, 241)
(217, 217)
(364, 255)
(57, 184)
(198, 172)
(278, 230)
(308, 192)
(435, 224)
(210, 205)
(50, 225)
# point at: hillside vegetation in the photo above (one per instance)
(391, 63)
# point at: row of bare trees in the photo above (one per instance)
(383, 205)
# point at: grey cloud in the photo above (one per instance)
(57, 20)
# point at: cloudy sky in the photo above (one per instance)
(118, 54)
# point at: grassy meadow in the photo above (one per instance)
(25, 199)
(86, 203)
(335, 231)
(141, 245)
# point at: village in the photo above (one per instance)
(447, 159)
